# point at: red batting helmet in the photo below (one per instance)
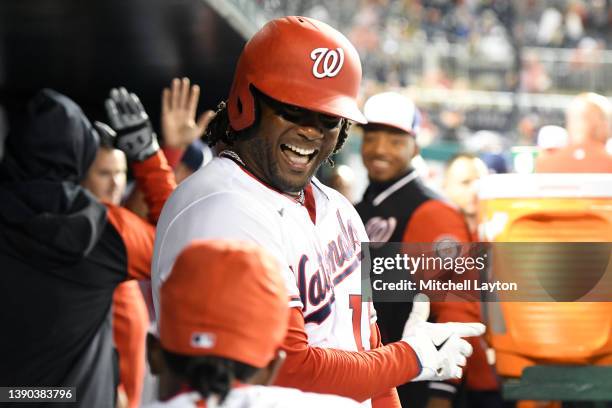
(301, 62)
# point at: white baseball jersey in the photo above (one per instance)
(319, 253)
(257, 396)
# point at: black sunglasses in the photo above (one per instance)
(296, 114)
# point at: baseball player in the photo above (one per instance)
(290, 105)
(398, 207)
(106, 179)
(215, 349)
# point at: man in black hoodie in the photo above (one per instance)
(62, 252)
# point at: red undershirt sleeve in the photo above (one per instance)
(352, 374)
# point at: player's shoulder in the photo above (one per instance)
(216, 175)
(439, 207)
(218, 185)
(221, 206)
(439, 220)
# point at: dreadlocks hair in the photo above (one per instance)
(209, 375)
(344, 132)
(219, 129)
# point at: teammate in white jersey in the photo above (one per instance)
(289, 109)
(214, 351)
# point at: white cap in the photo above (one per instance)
(552, 137)
(392, 109)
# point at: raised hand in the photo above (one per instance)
(179, 106)
(127, 116)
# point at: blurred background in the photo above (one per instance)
(487, 74)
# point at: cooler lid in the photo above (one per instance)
(546, 185)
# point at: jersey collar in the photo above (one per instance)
(389, 188)
(309, 200)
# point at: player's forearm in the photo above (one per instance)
(357, 375)
(173, 155)
(388, 399)
(156, 180)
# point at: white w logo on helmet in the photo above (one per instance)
(332, 62)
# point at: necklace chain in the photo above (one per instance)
(230, 154)
(301, 197)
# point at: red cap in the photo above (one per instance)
(224, 298)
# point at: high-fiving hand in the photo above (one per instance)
(179, 106)
(135, 135)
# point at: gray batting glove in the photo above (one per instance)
(135, 135)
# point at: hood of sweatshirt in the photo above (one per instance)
(46, 217)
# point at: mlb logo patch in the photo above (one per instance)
(202, 340)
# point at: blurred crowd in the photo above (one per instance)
(532, 46)
(387, 23)
(467, 45)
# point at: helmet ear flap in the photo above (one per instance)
(241, 105)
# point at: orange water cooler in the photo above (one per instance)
(547, 208)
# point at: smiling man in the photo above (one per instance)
(292, 100)
(398, 207)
